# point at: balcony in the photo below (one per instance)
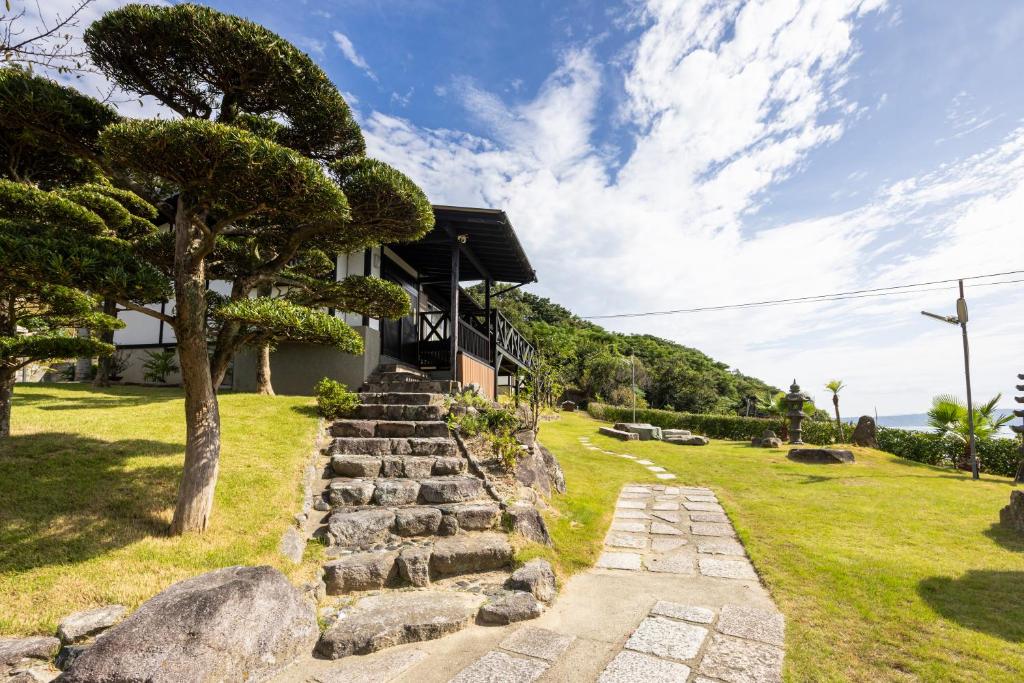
(490, 339)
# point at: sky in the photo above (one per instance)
(666, 154)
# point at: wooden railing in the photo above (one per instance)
(510, 341)
(475, 342)
(475, 337)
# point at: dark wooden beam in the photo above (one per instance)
(453, 311)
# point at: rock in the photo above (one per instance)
(360, 572)
(231, 624)
(414, 566)
(536, 577)
(387, 620)
(768, 439)
(360, 528)
(693, 440)
(820, 456)
(26, 651)
(1012, 516)
(553, 468)
(396, 492)
(476, 516)
(82, 625)
(526, 437)
(865, 433)
(508, 609)
(356, 465)
(531, 471)
(67, 656)
(666, 433)
(417, 468)
(443, 466)
(417, 521)
(449, 526)
(350, 492)
(451, 489)
(618, 434)
(465, 554)
(525, 520)
(643, 430)
(293, 545)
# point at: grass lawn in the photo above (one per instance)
(88, 481)
(886, 570)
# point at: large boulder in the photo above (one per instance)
(21, 653)
(508, 609)
(820, 456)
(79, 626)
(536, 577)
(525, 520)
(231, 624)
(865, 433)
(1012, 516)
(643, 430)
(768, 439)
(554, 469)
(531, 471)
(693, 440)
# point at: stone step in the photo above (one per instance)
(417, 565)
(375, 445)
(407, 413)
(372, 527)
(402, 398)
(403, 386)
(348, 492)
(396, 369)
(396, 466)
(383, 621)
(389, 428)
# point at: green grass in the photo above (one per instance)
(886, 570)
(88, 482)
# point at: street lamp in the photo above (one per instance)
(961, 319)
(632, 372)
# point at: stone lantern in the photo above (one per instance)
(795, 402)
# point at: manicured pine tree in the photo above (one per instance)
(62, 231)
(239, 182)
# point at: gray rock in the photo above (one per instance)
(1012, 516)
(356, 465)
(666, 638)
(396, 492)
(508, 609)
(451, 489)
(741, 661)
(525, 520)
(476, 516)
(865, 433)
(767, 626)
(14, 651)
(536, 577)
(554, 469)
(414, 566)
(443, 466)
(231, 624)
(537, 642)
(82, 625)
(618, 434)
(465, 554)
(631, 667)
(449, 526)
(498, 667)
(417, 521)
(415, 467)
(349, 492)
(526, 437)
(531, 471)
(381, 669)
(699, 615)
(360, 572)
(384, 621)
(666, 433)
(820, 456)
(693, 440)
(359, 428)
(643, 430)
(768, 439)
(292, 545)
(361, 528)
(67, 656)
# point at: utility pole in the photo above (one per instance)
(1019, 430)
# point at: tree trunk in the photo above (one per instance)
(263, 384)
(839, 422)
(102, 378)
(202, 416)
(84, 363)
(7, 377)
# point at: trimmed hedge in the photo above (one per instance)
(998, 456)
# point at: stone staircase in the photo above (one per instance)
(405, 511)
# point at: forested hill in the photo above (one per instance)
(594, 362)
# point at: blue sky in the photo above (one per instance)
(668, 154)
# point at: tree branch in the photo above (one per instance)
(128, 305)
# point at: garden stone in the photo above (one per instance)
(666, 638)
(231, 624)
(22, 651)
(362, 528)
(355, 492)
(356, 465)
(665, 545)
(1012, 516)
(712, 529)
(292, 545)
(617, 539)
(618, 434)
(726, 569)
(476, 516)
(631, 667)
(450, 489)
(414, 566)
(443, 466)
(79, 626)
(667, 516)
(768, 439)
(741, 661)
(668, 433)
(537, 642)
(525, 520)
(767, 626)
(699, 615)
(677, 563)
(449, 526)
(554, 469)
(464, 554)
(67, 656)
(865, 433)
(417, 521)
(537, 577)
(611, 560)
(720, 546)
(387, 620)
(396, 492)
(360, 572)
(508, 609)
(820, 456)
(498, 667)
(692, 440)
(664, 529)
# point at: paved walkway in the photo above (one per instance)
(673, 598)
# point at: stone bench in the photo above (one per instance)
(618, 434)
(645, 431)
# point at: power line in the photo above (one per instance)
(835, 296)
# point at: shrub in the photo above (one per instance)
(159, 365)
(496, 423)
(333, 399)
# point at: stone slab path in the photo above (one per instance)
(673, 598)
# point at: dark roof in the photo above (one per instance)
(491, 249)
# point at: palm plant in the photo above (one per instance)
(948, 417)
(835, 386)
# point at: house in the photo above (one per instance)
(481, 347)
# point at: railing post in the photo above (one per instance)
(454, 312)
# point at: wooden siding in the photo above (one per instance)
(472, 371)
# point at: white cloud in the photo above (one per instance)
(349, 51)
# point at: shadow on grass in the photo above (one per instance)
(92, 398)
(1005, 537)
(981, 600)
(308, 411)
(66, 498)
